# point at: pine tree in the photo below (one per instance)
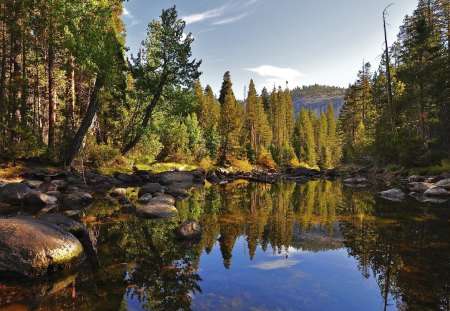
(304, 143)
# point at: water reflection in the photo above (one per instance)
(317, 245)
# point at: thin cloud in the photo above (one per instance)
(199, 17)
(276, 73)
(230, 20)
(276, 264)
(127, 15)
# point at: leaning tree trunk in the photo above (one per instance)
(74, 149)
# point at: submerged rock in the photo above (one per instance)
(437, 192)
(190, 230)
(14, 193)
(393, 194)
(30, 248)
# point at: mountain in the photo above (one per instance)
(317, 97)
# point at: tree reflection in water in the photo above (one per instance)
(404, 246)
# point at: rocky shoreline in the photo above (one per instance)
(39, 229)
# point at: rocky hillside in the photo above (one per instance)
(317, 97)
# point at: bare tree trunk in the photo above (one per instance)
(51, 97)
(388, 75)
(3, 66)
(86, 123)
(72, 95)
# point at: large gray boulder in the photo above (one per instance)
(37, 198)
(393, 194)
(14, 193)
(436, 192)
(445, 183)
(78, 230)
(32, 248)
(167, 178)
(416, 178)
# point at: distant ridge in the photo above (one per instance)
(317, 97)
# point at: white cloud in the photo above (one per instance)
(276, 73)
(127, 15)
(198, 17)
(230, 20)
(276, 264)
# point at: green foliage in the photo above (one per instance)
(195, 134)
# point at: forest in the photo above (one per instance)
(70, 93)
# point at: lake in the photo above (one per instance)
(315, 246)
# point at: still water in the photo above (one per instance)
(315, 246)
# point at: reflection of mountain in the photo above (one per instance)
(317, 237)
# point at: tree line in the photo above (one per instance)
(404, 117)
(68, 91)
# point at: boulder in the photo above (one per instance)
(393, 194)
(155, 210)
(163, 199)
(55, 194)
(436, 192)
(33, 248)
(416, 178)
(420, 186)
(444, 183)
(212, 178)
(167, 178)
(73, 213)
(37, 198)
(189, 230)
(33, 184)
(60, 184)
(356, 180)
(127, 179)
(178, 191)
(300, 171)
(76, 199)
(150, 188)
(435, 179)
(118, 192)
(78, 230)
(14, 193)
(145, 198)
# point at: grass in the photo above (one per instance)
(155, 168)
(443, 166)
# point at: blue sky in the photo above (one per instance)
(300, 41)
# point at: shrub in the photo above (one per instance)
(265, 160)
(206, 164)
(240, 165)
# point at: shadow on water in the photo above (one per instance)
(345, 245)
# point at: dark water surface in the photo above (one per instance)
(316, 246)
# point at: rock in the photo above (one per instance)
(173, 177)
(160, 211)
(49, 250)
(163, 199)
(73, 188)
(37, 198)
(177, 191)
(3, 183)
(416, 178)
(300, 171)
(445, 183)
(118, 192)
(6, 208)
(145, 198)
(48, 209)
(33, 184)
(212, 178)
(393, 194)
(436, 192)
(77, 199)
(73, 213)
(60, 184)
(150, 188)
(435, 179)
(47, 185)
(78, 230)
(55, 194)
(128, 179)
(420, 186)
(14, 193)
(190, 230)
(356, 180)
